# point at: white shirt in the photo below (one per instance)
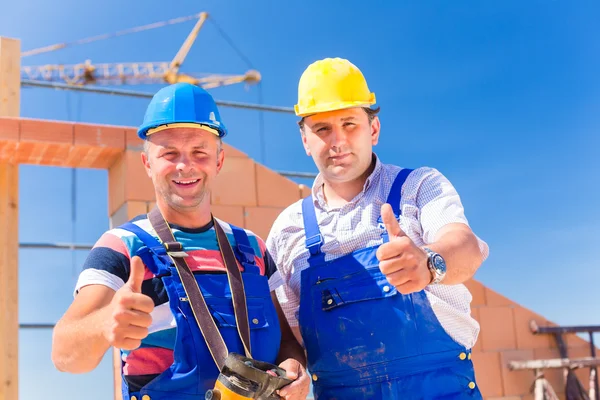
(428, 202)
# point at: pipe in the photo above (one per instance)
(131, 93)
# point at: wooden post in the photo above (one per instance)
(116, 356)
(539, 386)
(10, 77)
(130, 193)
(10, 83)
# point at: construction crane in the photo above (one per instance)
(135, 73)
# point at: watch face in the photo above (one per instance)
(439, 264)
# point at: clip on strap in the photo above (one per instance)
(202, 314)
(175, 249)
(314, 244)
(246, 252)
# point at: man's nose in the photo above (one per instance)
(338, 137)
(184, 163)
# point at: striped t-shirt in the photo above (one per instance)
(108, 264)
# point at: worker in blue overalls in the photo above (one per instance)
(371, 264)
(159, 286)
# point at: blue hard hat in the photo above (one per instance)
(182, 104)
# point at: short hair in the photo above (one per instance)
(371, 114)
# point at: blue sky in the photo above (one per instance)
(502, 97)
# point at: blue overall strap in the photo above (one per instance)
(153, 249)
(394, 197)
(244, 251)
(313, 237)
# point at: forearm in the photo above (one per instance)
(290, 348)
(78, 345)
(460, 249)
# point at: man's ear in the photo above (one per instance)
(375, 129)
(220, 159)
(304, 143)
(146, 163)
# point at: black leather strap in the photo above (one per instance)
(236, 283)
(214, 341)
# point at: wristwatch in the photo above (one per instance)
(436, 265)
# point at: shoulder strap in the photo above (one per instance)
(312, 235)
(394, 197)
(152, 250)
(236, 283)
(244, 249)
(202, 314)
(395, 193)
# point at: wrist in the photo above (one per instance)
(436, 265)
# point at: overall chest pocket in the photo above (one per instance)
(365, 285)
(361, 319)
(265, 335)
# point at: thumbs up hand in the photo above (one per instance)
(402, 262)
(130, 317)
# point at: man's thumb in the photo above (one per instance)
(291, 368)
(391, 223)
(137, 271)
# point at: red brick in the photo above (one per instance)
(477, 290)
(525, 338)
(554, 376)
(305, 191)
(231, 151)
(475, 315)
(260, 219)
(273, 190)
(493, 298)
(35, 130)
(9, 129)
(8, 151)
(99, 135)
(128, 180)
(139, 185)
(497, 328)
(516, 383)
(132, 141)
(236, 183)
(43, 153)
(93, 157)
(127, 211)
(230, 214)
(488, 373)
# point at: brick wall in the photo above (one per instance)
(251, 195)
(505, 336)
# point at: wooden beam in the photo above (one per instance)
(10, 85)
(128, 210)
(118, 384)
(536, 329)
(9, 250)
(10, 77)
(555, 363)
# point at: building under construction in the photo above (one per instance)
(519, 354)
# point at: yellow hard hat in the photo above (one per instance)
(332, 84)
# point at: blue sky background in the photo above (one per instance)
(502, 97)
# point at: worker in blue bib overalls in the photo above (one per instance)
(134, 296)
(371, 265)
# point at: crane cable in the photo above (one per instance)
(261, 121)
(153, 25)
